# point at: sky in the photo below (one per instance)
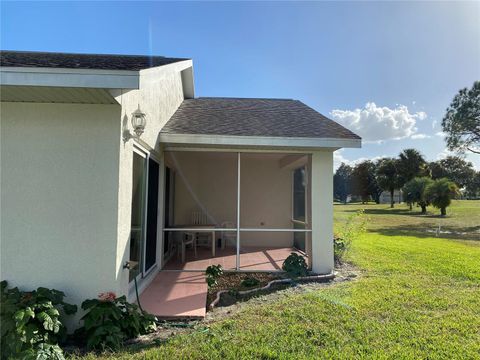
(385, 70)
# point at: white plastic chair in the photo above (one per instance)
(230, 236)
(188, 239)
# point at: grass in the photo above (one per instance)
(462, 220)
(418, 298)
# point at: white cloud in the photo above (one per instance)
(444, 154)
(375, 123)
(440, 134)
(420, 136)
(338, 159)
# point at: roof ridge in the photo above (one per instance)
(89, 54)
(241, 98)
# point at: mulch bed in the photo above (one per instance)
(233, 281)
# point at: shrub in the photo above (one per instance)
(110, 320)
(212, 274)
(440, 193)
(414, 192)
(354, 227)
(250, 281)
(31, 326)
(295, 265)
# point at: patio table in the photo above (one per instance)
(198, 228)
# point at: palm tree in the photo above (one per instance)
(411, 164)
(414, 192)
(440, 193)
(388, 176)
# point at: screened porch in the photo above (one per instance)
(245, 211)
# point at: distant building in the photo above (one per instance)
(385, 197)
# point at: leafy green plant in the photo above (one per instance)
(213, 272)
(250, 282)
(31, 326)
(354, 227)
(110, 320)
(295, 265)
(339, 248)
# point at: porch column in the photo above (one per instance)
(161, 210)
(322, 212)
(237, 256)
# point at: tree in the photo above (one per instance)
(453, 168)
(411, 164)
(342, 182)
(388, 176)
(364, 183)
(440, 192)
(461, 123)
(473, 187)
(414, 192)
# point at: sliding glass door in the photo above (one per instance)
(152, 215)
(144, 220)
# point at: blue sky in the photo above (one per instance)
(387, 70)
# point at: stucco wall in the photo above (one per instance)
(66, 177)
(159, 96)
(59, 176)
(322, 211)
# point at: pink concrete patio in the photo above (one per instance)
(176, 294)
(251, 259)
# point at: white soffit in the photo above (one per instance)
(85, 78)
(49, 94)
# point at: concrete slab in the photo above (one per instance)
(176, 294)
(251, 259)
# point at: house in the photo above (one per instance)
(112, 170)
(385, 197)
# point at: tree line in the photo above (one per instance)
(422, 183)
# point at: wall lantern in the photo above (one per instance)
(138, 121)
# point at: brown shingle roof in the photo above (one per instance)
(253, 117)
(82, 61)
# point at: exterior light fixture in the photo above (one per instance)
(138, 121)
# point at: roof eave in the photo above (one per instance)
(259, 141)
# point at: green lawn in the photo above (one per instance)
(418, 297)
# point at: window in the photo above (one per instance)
(299, 212)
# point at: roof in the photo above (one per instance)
(253, 117)
(82, 61)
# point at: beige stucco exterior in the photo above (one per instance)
(159, 95)
(322, 211)
(66, 177)
(59, 196)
